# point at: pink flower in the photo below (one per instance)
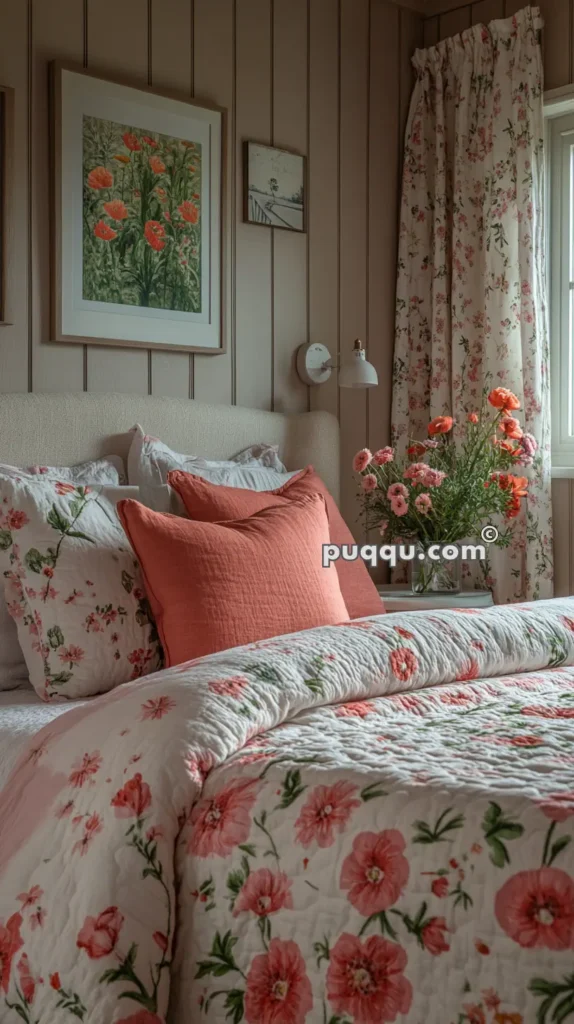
(221, 822)
(423, 504)
(397, 491)
(369, 482)
(326, 809)
(278, 989)
(440, 887)
(84, 769)
(375, 872)
(356, 709)
(362, 460)
(71, 655)
(157, 707)
(265, 893)
(558, 806)
(403, 663)
(27, 982)
(383, 455)
(399, 506)
(365, 980)
(536, 909)
(28, 899)
(133, 799)
(10, 942)
(433, 936)
(99, 935)
(232, 687)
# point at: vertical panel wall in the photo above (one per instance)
(327, 78)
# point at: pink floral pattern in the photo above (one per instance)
(359, 867)
(73, 588)
(471, 311)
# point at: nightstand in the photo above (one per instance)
(398, 598)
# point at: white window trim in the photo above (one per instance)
(559, 103)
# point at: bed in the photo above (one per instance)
(362, 822)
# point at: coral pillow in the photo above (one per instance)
(213, 586)
(213, 503)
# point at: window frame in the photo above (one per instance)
(559, 139)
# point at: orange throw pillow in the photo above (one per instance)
(216, 503)
(212, 586)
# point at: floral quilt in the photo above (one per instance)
(359, 823)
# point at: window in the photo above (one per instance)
(560, 233)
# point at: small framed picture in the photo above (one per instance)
(275, 192)
(138, 216)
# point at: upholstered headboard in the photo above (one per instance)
(62, 429)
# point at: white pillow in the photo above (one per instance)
(74, 588)
(110, 471)
(257, 468)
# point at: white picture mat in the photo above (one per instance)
(83, 95)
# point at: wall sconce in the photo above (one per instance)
(314, 366)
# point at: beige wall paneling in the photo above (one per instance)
(355, 19)
(323, 197)
(57, 32)
(172, 68)
(486, 10)
(411, 37)
(118, 44)
(430, 32)
(453, 22)
(383, 186)
(290, 74)
(254, 321)
(14, 373)
(214, 75)
(557, 15)
(563, 547)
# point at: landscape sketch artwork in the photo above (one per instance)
(141, 217)
(276, 192)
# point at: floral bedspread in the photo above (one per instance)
(360, 823)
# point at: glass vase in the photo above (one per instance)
(432, 576)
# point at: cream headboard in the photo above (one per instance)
(61, 429)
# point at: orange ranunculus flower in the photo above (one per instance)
(155, 235)
(189, 211)
(103, 231)
(502, 398)
(116, 209)
(122, 158)
(100, 177)
(511, 428)
(157, 165)
(131, 141)
(440, 425)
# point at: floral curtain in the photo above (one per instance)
(471, 305)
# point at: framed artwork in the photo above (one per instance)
(138, 218)
(6, 144)
(275, 193)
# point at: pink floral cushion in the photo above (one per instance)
(74, 589)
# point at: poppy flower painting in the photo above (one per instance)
(142, 217)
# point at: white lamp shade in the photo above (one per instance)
(357, 372)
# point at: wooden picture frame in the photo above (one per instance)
(275, 206)
(6, 185)
(138, 215)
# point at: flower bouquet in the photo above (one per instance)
(442, 492)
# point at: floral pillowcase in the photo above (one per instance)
(74, 589)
